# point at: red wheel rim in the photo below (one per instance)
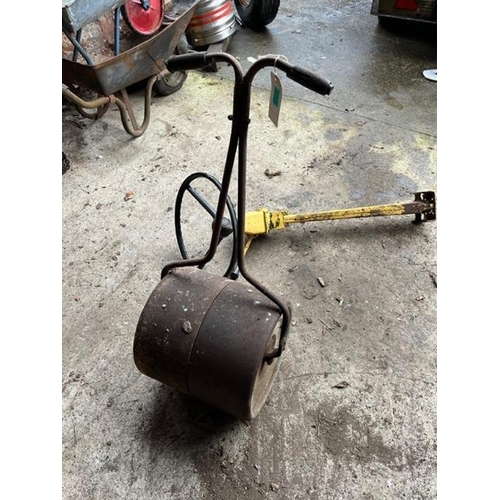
(144, 16)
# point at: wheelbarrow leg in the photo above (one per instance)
(130, 109)
(126, 109)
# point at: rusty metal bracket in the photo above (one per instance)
(425, 206)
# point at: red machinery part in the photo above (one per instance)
(144, 16)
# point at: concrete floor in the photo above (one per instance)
(352, 413)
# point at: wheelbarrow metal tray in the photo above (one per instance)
(134, 65)
(77, 13)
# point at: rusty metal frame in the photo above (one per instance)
(240, 119)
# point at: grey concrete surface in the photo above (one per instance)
(352, 413)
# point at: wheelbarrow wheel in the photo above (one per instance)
(208, 337)
(257, 14)
(170, 84)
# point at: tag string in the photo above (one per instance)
(277, 56)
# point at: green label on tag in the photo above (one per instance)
(276, 96)
(275, 99)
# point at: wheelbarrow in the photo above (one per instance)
(145, 61)
(214, 338)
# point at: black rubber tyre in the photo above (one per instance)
(257, 14)
(170, 84)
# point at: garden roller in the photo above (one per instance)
(209, 336)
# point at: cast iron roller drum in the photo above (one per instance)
(208, 336)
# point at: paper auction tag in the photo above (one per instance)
(275, 98)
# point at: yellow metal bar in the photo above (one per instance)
(347, 213)
(262, 221)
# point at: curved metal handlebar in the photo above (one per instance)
(304, 77)
(238, 145)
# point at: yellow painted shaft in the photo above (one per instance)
(347, 213)
(262, 221)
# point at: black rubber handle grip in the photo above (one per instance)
(310, 80)
(185, 62)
